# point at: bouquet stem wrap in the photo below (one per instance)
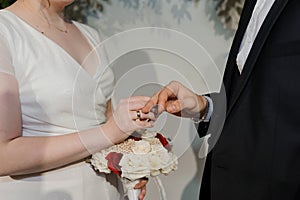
(129, 191)
(133, 194)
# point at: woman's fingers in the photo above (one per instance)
(143, 193)
(139, 115)
(128, 116)
(143, 124)
(134, 105)
(137, 102)
(142, 183)
(142, 186)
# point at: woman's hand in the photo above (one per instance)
(178, 100)
(128, 116)
(126, 119)
(142, 186)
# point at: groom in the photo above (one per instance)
(257, 156)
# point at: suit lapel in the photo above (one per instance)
(231, 69)
(262, 36)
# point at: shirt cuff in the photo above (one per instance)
(210, 109)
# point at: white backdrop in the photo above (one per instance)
(199, 23)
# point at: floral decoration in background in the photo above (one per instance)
(228, 11)
(5, 3)
(81, 9)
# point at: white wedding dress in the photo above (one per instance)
(57, 97)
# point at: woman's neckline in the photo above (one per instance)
(56, 44)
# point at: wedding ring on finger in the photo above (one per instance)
(144, 117)
(138, 115)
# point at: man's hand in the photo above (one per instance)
(178, 100)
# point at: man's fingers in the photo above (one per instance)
(174, 106)
(152, 102)
(161, 97)
(167, 94)
(158, 101)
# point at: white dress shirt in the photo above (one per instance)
(259, 14)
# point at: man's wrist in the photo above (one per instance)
(206, 113)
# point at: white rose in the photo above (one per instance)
(156, 148)
(100, 163)
(155, 162)
(148, 135)
(135, 166)
(141, 147)
(171, 166)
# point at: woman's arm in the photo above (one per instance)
(108, 111)
(24, 155)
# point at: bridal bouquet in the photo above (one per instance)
(144, 154)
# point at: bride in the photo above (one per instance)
(55, 106)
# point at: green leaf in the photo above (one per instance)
(5, 3)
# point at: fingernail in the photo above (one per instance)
(171, 108)
(151, 123)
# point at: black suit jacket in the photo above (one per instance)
(257, 156)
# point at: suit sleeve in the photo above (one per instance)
(203, 128)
